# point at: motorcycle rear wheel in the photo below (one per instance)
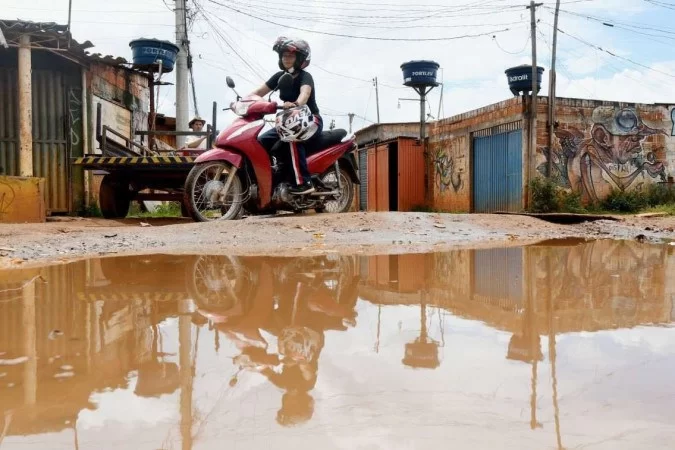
(343, 201)
(202, 183)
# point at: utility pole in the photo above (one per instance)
(533, 101)
(552, 91)
(351, 119)
(25, 107)
(377, 98)
(182, 97)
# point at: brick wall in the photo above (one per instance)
(449, 148)
(599, 146)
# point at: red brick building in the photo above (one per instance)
(480, 161)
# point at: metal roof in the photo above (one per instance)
(54, 36)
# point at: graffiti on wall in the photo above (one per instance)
(75, 115)
(610, 152)
(449, 171)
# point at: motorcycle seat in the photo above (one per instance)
(326, 139)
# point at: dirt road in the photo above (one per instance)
(367, 233)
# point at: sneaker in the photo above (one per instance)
(303, 189)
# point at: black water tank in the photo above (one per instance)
(520, 79)
(420, 73)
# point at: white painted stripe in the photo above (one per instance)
(296, 167)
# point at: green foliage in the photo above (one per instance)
(625, 201)
(547, 197)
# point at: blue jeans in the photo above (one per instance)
(297, 149)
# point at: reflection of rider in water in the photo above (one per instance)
(299, 349)
(300, 341)
(302, 309)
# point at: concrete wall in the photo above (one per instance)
(449, 148)
(600, 146)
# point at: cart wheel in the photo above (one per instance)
(114, 198)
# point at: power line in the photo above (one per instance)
(231, 46)
(406, 13)
(494, 38)
(615, 55)
(372, 38)
(665, 5)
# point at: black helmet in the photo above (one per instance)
(303, 54)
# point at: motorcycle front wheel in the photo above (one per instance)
(204, 198)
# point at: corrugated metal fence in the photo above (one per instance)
(51, 141)
(498, 169)
(9, 134)
(363, 176)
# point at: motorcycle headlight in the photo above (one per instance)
(241, 108)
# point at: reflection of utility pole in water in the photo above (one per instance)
(551, 349)
(379, 323)
(29, 344)
(184, 339)
(423, 352)
(525, 347)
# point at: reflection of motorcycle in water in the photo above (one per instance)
(296, 300)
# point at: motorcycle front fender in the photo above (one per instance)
(221, 154)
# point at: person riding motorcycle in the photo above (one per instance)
(294, 57)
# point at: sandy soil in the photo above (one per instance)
(65, 239)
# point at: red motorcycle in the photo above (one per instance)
(239, 173)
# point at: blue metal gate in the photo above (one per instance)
(498, 169)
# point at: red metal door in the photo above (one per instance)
(411, 190)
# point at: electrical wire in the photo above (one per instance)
(373, 38)
(576, 38)
(494, 38)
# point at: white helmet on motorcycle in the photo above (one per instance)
(296, 124)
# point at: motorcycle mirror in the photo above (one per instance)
(230, 84)
(286, 81)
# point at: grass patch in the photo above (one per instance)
(167, 209)
(668, 209)
(91, 211)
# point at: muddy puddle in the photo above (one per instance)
(565, 344)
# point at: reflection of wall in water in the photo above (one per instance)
(592, 286)
(81, 346)
(670, 281)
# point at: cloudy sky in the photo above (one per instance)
(610, 49)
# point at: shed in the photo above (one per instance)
(391, 167)
(49, 84)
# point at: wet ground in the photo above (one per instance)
(65, 238)
(562, 344)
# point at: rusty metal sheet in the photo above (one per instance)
(50, 141)
(9, 133)
(411, 190)
(382, 178)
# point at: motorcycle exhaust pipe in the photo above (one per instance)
(323, 193)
